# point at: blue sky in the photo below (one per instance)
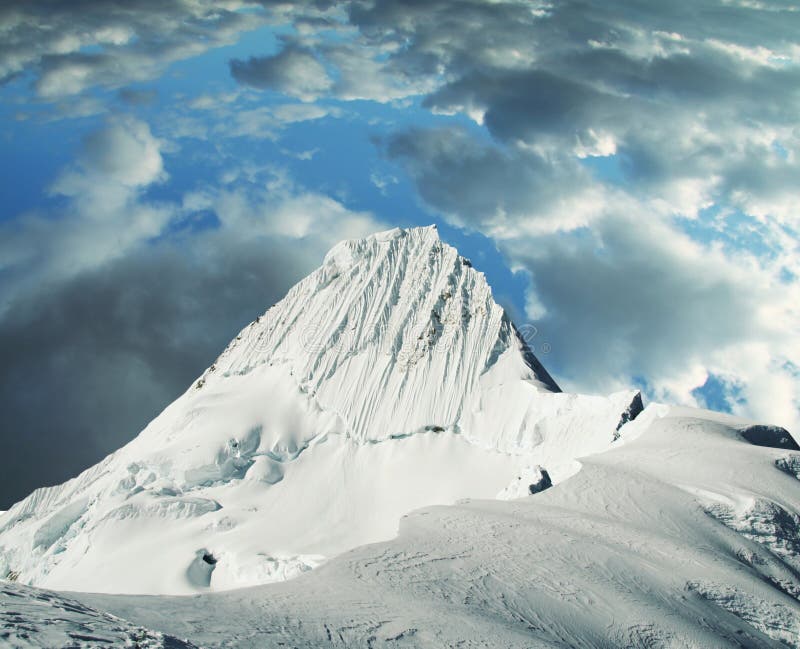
(625, 174)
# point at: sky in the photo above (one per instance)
(625, 173)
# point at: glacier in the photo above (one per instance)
(682, 535)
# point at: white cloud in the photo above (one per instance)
(104, 216)
(592, 144)
(71, 49)
(126, 152)
(383, 181)
(294, 71)
(637, 297)
(268, 121)
(108, 216)
(268, 203)
(362, 75)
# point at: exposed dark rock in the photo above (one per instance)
(772, 436)
(632, 411)
(544, 482)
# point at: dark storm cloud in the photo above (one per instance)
(89, 361)
(90, 357)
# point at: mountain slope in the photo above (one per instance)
(683, 535)
(386, 380)
(31, 618)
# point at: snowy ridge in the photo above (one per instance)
(385, 381)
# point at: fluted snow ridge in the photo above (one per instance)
(392, 332)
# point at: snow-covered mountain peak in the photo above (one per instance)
(346, 252)
(386, 380)
(393, 332)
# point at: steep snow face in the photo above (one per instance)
(386, 380)
(392, 333)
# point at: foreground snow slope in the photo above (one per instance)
(385, 381)
(685, 535)
(32, 618)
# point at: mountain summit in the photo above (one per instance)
(386, 380)
(392, 333)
